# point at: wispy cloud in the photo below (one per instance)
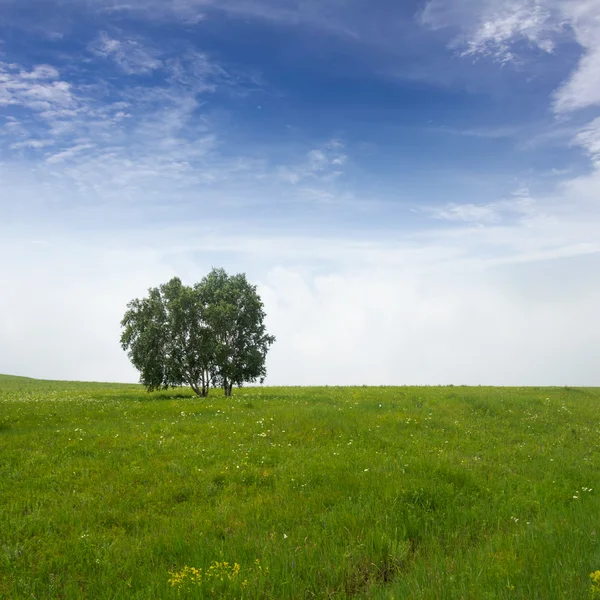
(328, 16)
(583, 87)
(130, 55)
(35, 144)
(496, 28)
(484, 132)
(589, 139)
(119, 137)
(69, 153)
(324, 164)
(491, 28)
(39, 89)
(521, 205)
(51, 110)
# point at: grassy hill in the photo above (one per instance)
(424, 493)
(18, 382)
(8, 379)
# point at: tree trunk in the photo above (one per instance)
(227, 386)
(202, 392)
(201, 388)
(205, 382)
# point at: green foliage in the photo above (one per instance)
(234, 313)
(420, 493)
(210, 334)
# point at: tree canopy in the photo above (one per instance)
(211, 334)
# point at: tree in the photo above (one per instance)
(234, 314)
(209, 334)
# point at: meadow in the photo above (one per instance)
(107, 491)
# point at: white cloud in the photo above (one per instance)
(69, 153)
(323, 164)
(188, 11)
(471, 213)
(491, 27)
(196, 71)
(449, 325)
(40, 72)
(589, 138)
(583, 87)
(484, 132)
(35, 144)
(130, 55)
(520, 206)
(495, 27)
(334, 17)
(496, 34)
(35, 89)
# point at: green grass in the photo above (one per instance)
(420, 493)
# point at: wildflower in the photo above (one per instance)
(595, 587)
(285, 536)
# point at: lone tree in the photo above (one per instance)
(210, 334)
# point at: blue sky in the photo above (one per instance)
(414, 186)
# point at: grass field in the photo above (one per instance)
(444, 492)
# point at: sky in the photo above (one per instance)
(413, 186)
